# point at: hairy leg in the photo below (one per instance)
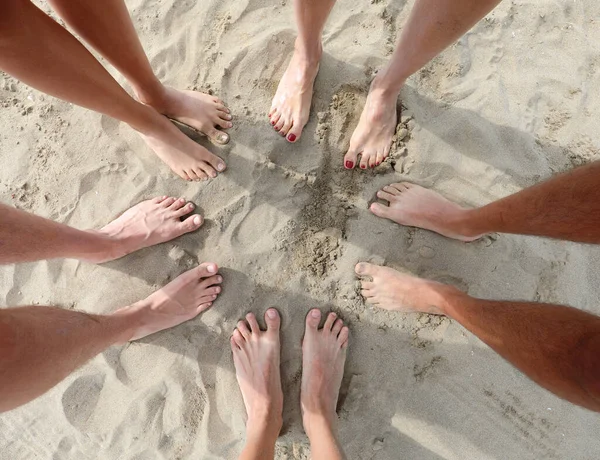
(107, 26)
(290, 108)
(558, 347)
(566, 207)
(26, 237)
(256, 359)
(432, 26)
(30, 41)
(323, 359)
(40, 346)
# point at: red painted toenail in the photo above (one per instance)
(277, 129)
(363, 167)
(273, 123)
(292, 137)
(349, 164)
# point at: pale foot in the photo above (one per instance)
(323, 359)
(416, 206)
(256, 359)
(203, 112)
(392, 290)
(290, 108)
(186, 158)
(372, 138)
(146, 224)
(182, 299)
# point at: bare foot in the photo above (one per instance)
(146, 224)
(256, 359)
(392, 290)
(372, 138)
(290, 108)
(182, 299)
(186, 158)
(323, 358)
(203, 112)
(416, 206)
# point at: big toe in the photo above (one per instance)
(380, 210)
(273, 320)
(312, 320)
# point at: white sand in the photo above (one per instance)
(513, 102)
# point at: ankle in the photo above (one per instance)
(103, 248)
(463, 222)
(261, 424)
(155, 95)
(319, 422)
(386, 85)
(308, 52)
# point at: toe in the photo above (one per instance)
(279, 124)
(392, 190)
(286, 127)
(313, 319)
(191, 223)
(331, 317)
(275, 116)
(225, 124)
(177, 204)
(385, 195)
(182, 211)
(367, 284)
(234, 346)
(272, 319)
(218, 137)
(350, 159)
(372, 161)
(379, 210)
(168, 201)
(203, 306)
(159, 199)
(379, 158)
(364, 269)
(343, 337)
(254, 327)
(337, 327)
(225, 112)
(402, 186)
(210, 281)
(367, 293)
(238, 338)
(364, 161)
(243, 328)
(206, 269)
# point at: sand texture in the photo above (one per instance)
(514, 101)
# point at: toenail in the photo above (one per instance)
(292, 137)
(273, 123)
(349, 164)
(363, 167)
(217, 290)
(190, 205)
(220, 166)
(211, 268)
(272, 314)
(219, 279)
(197, 220)
(223, 137)
(277, 129)
(315, 313)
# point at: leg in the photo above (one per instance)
(40, 346)
(112, 34)
(432, 26)
(25, 237)
(565, 207)
(30, 40)
(256, 359)
(323, 358)
(558, 347)
(291, 105)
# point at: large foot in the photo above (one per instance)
(146, 224)
(291, 105)
(182, 299)
(372, 138)
(203, 112)
(323, 358)
(186, 158)
(416, 206)
(256, 359)
(392, 290)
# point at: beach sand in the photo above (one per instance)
(513, 102)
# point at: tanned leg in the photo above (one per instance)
(432, 26)
(108, 28)
(256, 359)
(558, 347)
(323, 358)
(566, 207)
(39, 52)
(291, 105)
(25, 237)
(40, 346)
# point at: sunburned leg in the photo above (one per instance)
(108, 28)
(30, 41)
(40, 346)
(432, 26)
(256, 359)
(323, 358)
(290, 108)
(558, 347)
(566, 207)
(25, 237)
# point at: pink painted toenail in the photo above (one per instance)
(349, 164)
(292, 137)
